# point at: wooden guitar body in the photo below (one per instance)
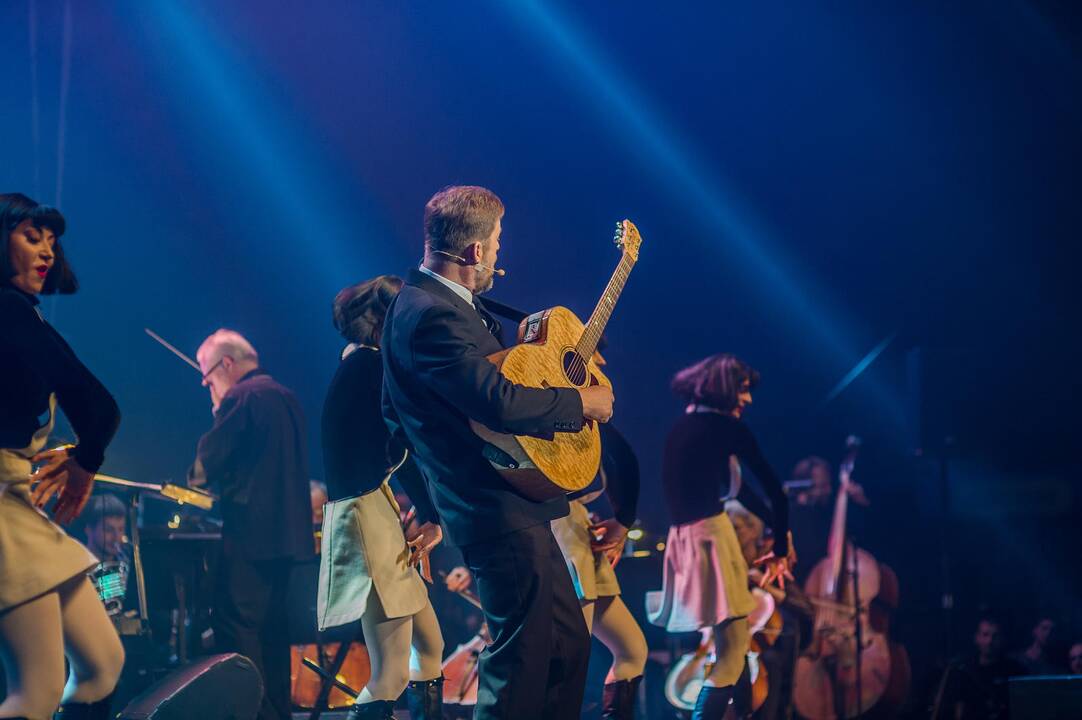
(546, 357)
(556, 350)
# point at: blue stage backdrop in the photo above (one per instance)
(809, 181)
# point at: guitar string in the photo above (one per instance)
(616, 286)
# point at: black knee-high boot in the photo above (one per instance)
(375, 710)
(712, 702)
(425, 699)
(85, 711)
(618, 699)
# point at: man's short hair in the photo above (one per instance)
(224, 342)
(459, 216)
(104, 506)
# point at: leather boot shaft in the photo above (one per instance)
(425, 699)
(375, 710)
(618, 699)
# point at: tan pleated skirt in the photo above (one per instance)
(363, 551)
(705, 578)
(591, 571)
(36, 555)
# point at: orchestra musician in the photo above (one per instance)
(256, 457)
(436, 378)
(367, 563)
(48, 608)
(705, 582)
(811, 510)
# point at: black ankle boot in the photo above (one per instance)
(425, 699)
(375, 710)
(85, 711)
(712, 703)
(618, 699)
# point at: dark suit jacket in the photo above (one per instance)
(256, 457)
(435, 379)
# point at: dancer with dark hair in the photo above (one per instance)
(48, 608)
(367, 561)
(705, 582)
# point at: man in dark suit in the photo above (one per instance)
(436, 379)
(256, 457)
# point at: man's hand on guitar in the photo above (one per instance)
(597, 403)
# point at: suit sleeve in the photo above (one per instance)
(216, 448)
(747, 449)
(450, 363)
(93, 412)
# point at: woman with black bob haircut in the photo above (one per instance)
(367, 566)
(48, 608)
(705, 582)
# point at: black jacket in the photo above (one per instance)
(256, 457)
(436, 378)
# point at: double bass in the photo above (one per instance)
(850, 668)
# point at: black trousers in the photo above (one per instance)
(250, 618)
(536, 664)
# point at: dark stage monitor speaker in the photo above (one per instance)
(219, 687)
(1048, 697)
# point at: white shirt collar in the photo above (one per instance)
(461, 290)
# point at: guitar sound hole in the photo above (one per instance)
(575, 368)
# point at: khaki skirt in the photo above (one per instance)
(364, 550)
(36, 555)
(591, 571)
(705, 580)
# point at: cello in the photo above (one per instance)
(686, 677)
(851, 666)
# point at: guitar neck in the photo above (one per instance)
(599, 318)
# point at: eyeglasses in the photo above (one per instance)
(213, 367)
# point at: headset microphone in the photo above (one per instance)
(480, 265)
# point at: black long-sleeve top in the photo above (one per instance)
(696, 469)
(256, 456)
(621, 476)
(358, 449)
(35, 362)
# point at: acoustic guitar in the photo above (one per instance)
(556, 349)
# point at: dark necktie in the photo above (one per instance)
(490, 322)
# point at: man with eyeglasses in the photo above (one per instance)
(256, 458)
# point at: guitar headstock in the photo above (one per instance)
(627, 238)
